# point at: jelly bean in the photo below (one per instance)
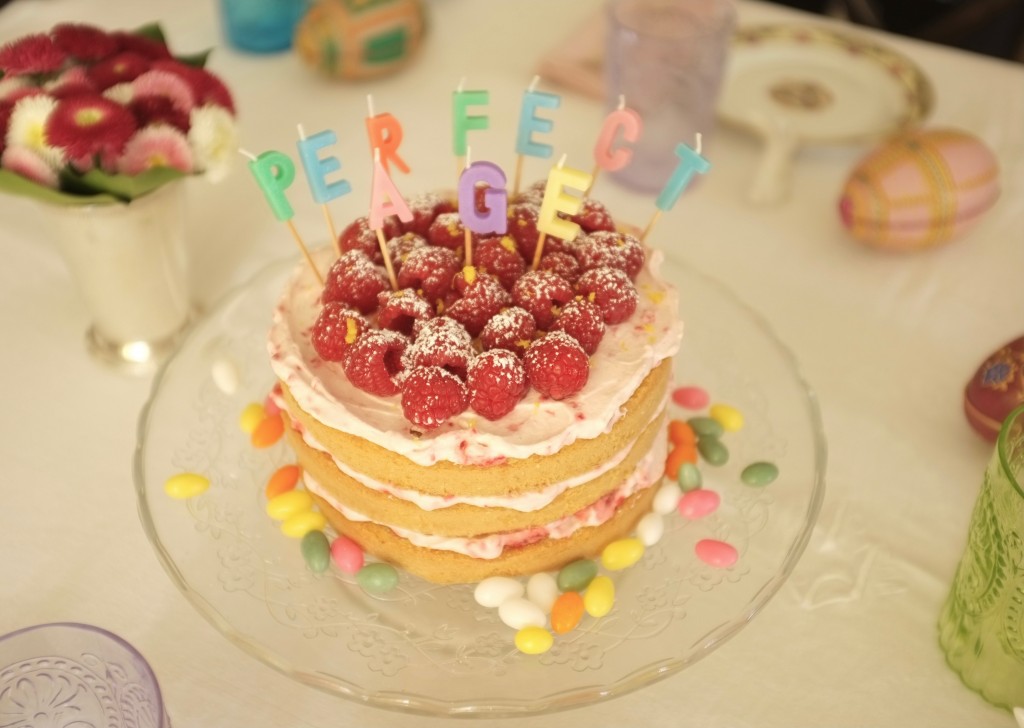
(693, 398)
(716, 553)
(713, 451)
(518, 613)
(566, 612)
(533, 640)
(347, 555)
(494, 590)
(706, 427)
(680, 454)
(730, 418)
(316, 551)
(268, 431)
(650, 529)
(377, 578)
(284, 479)
(622, 554)
(599, 597)
(270, 405)
(680, 433)
(576, 576)
(759, 473)
(698, 503)
(251, 416)
(225, 376)
(689, 477)
(666, 499)
(542, 590)
(300, 524)
(186, 485)
(286, 505)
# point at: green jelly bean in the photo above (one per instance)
(689, 477)
(316, 551)
(706, 427)
(761, 473)
(713, 451)
(377, 578)
(577, 575)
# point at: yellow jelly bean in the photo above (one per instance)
(599, 597)
(284, 479)
(730, 418)
(622, 554)
(268, 431)
(302, 523)
(534, 640)
(251, 416)
(186, 485)
(284, 506)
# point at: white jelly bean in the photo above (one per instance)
(225, 376)
(495, 590)
(650, 529)
(518, 613)
(667, 498)
(542, 590)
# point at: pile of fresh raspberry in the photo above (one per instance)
(455, 337)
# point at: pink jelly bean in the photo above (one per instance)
(270, 405)
(698, 503)
(716, 553)
(694, 398)
(347, 555)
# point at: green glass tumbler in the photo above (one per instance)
(981, 628)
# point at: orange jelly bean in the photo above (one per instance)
(680, 454)
(284, 479)
(680, 433)
(566, 612)
(268, 431)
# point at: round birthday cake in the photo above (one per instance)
(466, 405)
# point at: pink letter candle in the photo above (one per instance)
(556, 201)
(606, 155)
(385, 134)
(385, 199)
(493, 219)
(274, 172)
(317, 168)
(690, 162)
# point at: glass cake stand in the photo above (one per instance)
(431, 649)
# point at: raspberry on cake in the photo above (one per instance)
(481, 420)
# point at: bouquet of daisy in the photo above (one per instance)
(90, 116)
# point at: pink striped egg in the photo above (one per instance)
(919, 189)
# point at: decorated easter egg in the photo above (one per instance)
(919, 189)
(995, 389)
(358, 39)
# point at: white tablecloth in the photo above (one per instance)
(886, 341)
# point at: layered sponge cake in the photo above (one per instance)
(483, 419)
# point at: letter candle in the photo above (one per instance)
(317, 170)
(529, 123)
(385, 200)
(494, 217)
(274, 173)
(690, 162)
(385, 133)
(463, 122)
(556, 201)
(606, 155)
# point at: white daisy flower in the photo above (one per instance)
(27, 128)
(213, 137)
(120, 93)
(11, 84)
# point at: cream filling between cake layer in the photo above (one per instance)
(647, 472)
(525, 502)
(537, 426)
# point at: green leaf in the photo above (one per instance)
(198, 60)
(15, 184)
(122, 186)
(153, 31)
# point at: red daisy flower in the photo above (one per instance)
(5, 116)
(88, 125)
(121, 68)
(75, 88)
(145, 47)
(84, 42)
(31, 54)
(206, 87)
(150, 110)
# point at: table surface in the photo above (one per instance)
(887, 342)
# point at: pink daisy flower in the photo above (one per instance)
(72, 82)
(122, 68)
(28, 164)
(31, 54)
(145, 47)
(84, 42)
(156, 146)
(165, 85)
(87, 125)
(206, 87)
(12, 84)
